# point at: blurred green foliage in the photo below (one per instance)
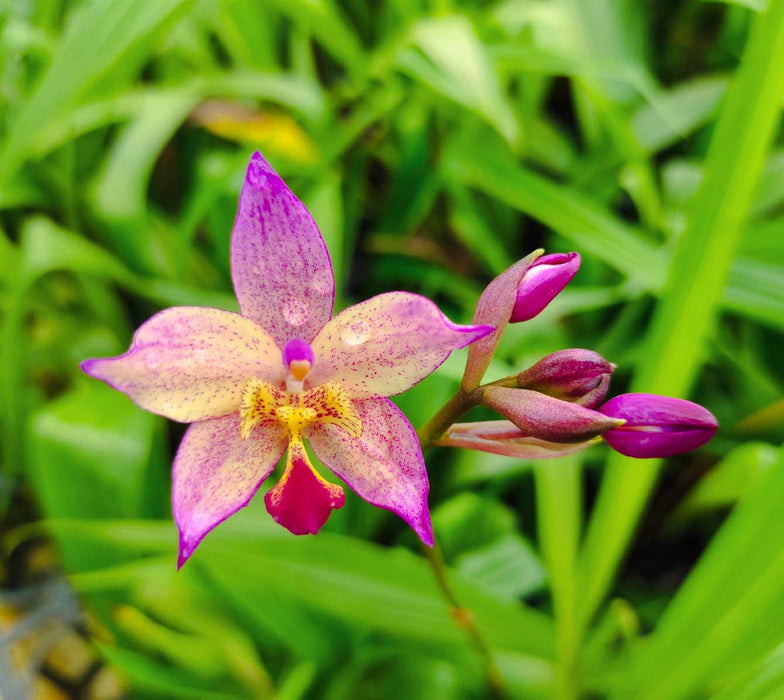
(435, 143)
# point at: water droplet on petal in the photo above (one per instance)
(322, 282)
(295, 312)
(152, 360)
(356, 333)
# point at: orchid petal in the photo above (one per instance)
(494, 308)
(502, 437)
(190, 363)
(302, 500)
(216, 473)
(386, 344)
(384, 466)
(280, 266)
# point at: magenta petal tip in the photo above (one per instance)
(423, 527)
(542, 282)
(184, 554)
(657, 426)
(474, 333)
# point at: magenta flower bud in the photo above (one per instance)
(657, 426)
(494, 308)
(542, 282)
(545, 417)
(575, 375)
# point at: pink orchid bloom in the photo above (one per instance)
(260, 383)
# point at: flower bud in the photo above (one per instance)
(575, 375)
(502, 437)
(494, 308)
(657, 426)
(545, 417)
(542, 282)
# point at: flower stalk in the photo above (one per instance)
(465, 619)
(428, 436)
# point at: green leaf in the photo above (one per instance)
(479, 535)
(728, 482)
(476, 233)
(570, 213)
(120, 191)
(460, 69)
(152, 676)
(350, 581)
(507, 568)
(761, 681)
(698, 273)
(88, 453)
(756, 290)
(325, 21)
(756, 5)
(99, 37)
(559, 511)
(671, 116)
(47, 247)
(729, 612)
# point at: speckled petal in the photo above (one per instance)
(279, 263)
(190, 363)
(216, 473)
(386, 344)
(384, 466)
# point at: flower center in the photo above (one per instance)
(298, 358)
(295, 410)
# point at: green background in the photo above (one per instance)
(435, 143)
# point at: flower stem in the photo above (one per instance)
(428, 436)
(465, 619)
(431, 431)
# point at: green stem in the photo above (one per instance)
(465, 618)
(428, 436)
(431, 432)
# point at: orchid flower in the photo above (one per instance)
(260, 383)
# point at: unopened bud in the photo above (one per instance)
(542, 282)
(545, 417)
(575, 375)
(502, 437)
(657, 426)
(494, 308)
